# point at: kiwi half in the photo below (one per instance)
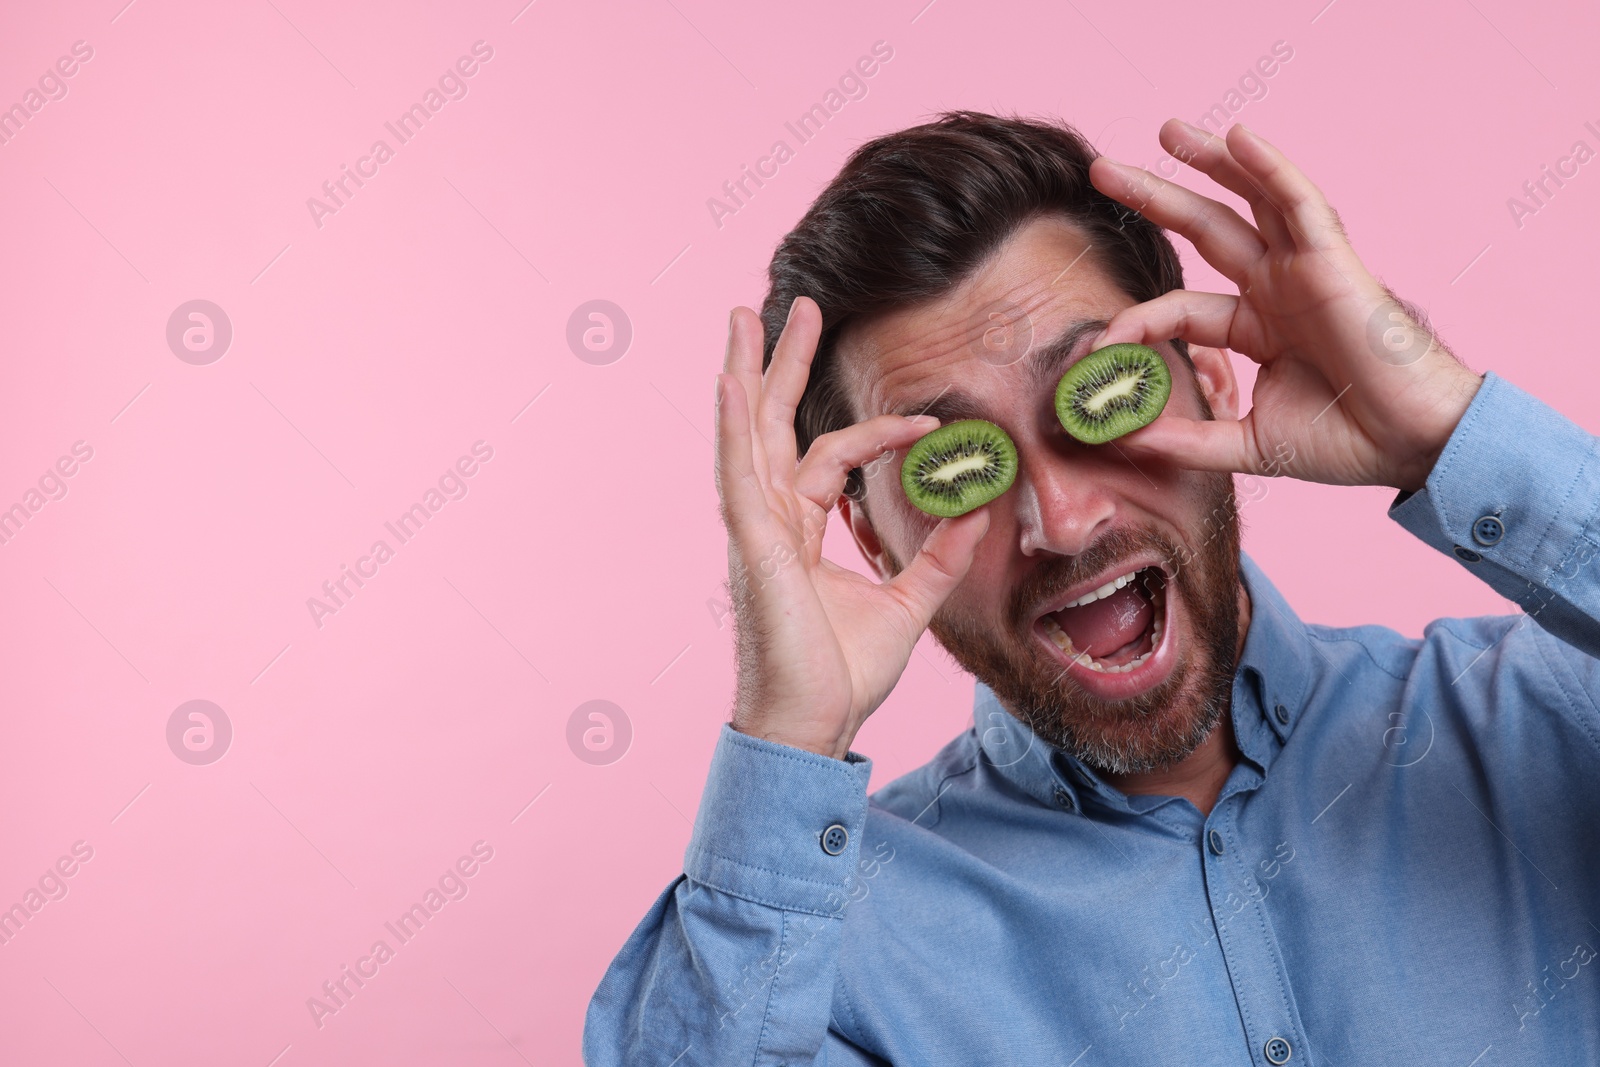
(1112, 391)
(958, 467)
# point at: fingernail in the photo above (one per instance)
(792, 305)
(730, 321)
(718, 393)
(924, 420)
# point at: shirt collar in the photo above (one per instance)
(1274, 673)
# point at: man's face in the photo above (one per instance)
(1130, 681)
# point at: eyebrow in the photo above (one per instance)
(951, 404)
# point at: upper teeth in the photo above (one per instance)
(1101, 593)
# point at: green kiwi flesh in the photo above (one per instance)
(959, 467)
(1112, 391)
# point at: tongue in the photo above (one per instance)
(1108, 624)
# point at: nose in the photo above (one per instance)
(1061, 507)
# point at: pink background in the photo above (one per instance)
(585, 561)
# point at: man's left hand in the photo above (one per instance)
(1351, 389)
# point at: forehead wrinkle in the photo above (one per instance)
(1029, 282)
(879, 384)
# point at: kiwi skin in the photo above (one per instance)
(1133, 406)
(970, 486)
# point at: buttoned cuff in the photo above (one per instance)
(779, 825)
(1513, 496)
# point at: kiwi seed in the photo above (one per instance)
(1112, 391)
(959, 467)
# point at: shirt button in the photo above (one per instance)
(1488, 530)
(1467, 554)
(1214, 839)
(1277, 1050)
(1064, 798)
(834, 839)
(1282, 714)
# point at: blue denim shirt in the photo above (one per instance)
(1402, 868)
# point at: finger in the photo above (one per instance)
(743, 361)
(1225, 239)
(744, 502)
(785, 381)
(938, 567)
(1194, 316)
(1208, 154)
(834, 455)
(1304, 208)
(1196, 444)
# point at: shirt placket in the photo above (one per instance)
(1237, 897)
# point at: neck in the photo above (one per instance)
(1200, 775)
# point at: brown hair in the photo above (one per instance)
(913, 213)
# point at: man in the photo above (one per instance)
(1185, 827)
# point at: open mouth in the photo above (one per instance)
(1115, 628)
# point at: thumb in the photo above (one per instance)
(1196, 444)
(944, 559)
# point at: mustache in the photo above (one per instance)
(1063, 572)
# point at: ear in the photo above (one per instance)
(1214, 372)
(855, 517)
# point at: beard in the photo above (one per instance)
(1157, 728)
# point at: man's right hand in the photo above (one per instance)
(818, 647)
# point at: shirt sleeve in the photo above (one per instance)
(1514, 498)
(736, 961)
